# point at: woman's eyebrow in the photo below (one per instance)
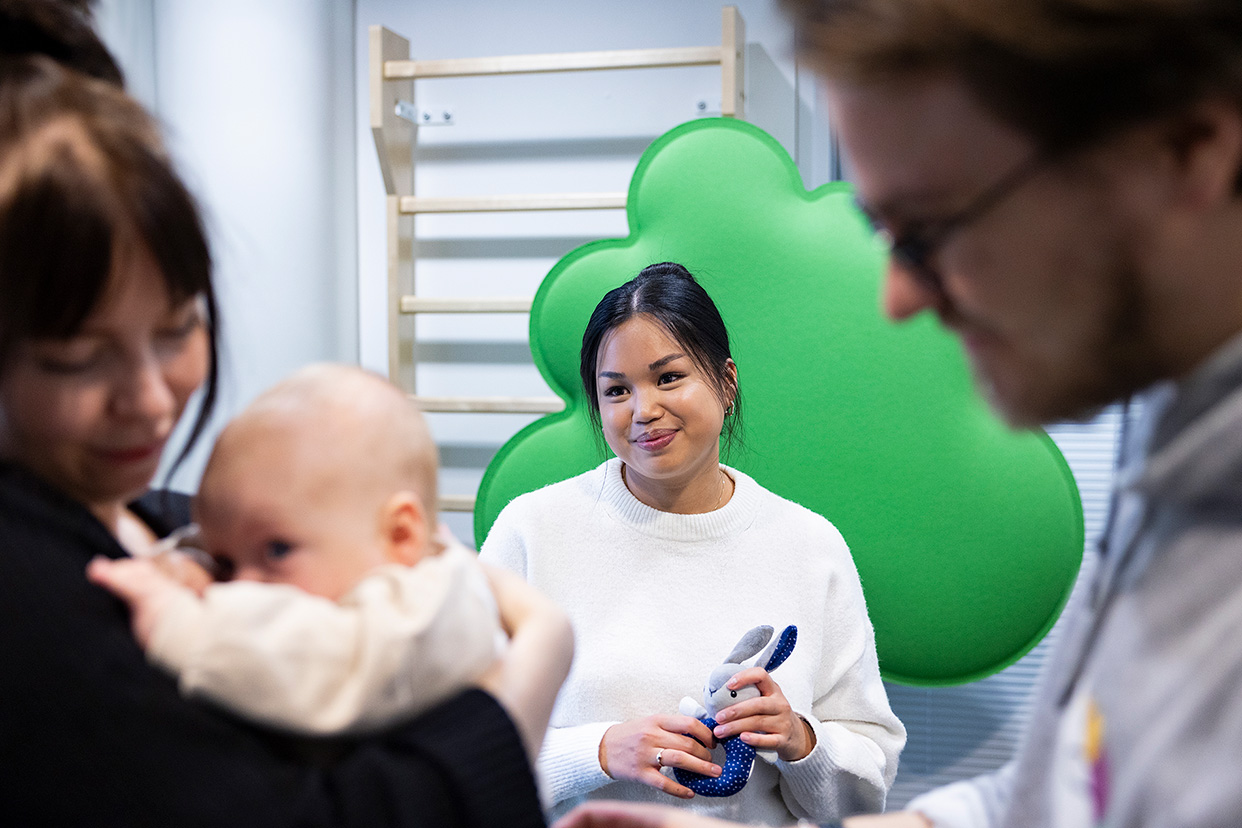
(660, 363)
(655, 366)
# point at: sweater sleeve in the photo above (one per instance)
(403, 640)
(504, 545)
(568, 764)
(858, 738)
(972, 803)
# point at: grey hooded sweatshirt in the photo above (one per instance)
(1138, 720)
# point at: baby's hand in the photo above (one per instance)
(184, 568)
(141, 583)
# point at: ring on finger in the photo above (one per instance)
(660, 758)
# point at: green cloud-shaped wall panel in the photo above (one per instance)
(967, 536)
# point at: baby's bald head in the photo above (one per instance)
(318, 461)
(367, 429)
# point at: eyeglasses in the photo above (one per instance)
(914, 247)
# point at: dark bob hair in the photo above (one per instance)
(62, 30)
(670, 296)
(83, 173)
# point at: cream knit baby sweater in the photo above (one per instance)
(659, 599)
(402, 640)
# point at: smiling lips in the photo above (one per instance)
(133, 455)
(655, 440)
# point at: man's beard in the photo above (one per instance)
(1116, 358)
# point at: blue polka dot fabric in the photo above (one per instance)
(789, 637)
(739, 759)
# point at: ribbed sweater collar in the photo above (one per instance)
(733, 517)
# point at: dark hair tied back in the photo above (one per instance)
(668, 294)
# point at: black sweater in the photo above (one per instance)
(91, 734)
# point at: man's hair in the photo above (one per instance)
(1065, 72)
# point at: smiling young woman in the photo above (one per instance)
(663, 557)
(662, 415)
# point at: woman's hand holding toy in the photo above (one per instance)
(638, 749)
(724, 691)
(767, 722)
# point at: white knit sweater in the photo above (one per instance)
(659, 599)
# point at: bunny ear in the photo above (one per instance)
(780, 648)
(750, 644)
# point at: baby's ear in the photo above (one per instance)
(404, 530)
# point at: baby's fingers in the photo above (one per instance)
(184, 570)
(138, 583)
(130, 579)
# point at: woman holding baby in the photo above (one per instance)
(107, 330)
(663, 558)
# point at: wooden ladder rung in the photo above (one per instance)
(559, 62)
(424, 304)
(413, 205)
(456, 503)
(491, 405)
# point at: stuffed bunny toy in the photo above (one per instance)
(739, 756)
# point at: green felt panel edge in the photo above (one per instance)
(945, 612)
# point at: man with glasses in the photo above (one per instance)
(1058, 181)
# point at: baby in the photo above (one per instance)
(343, 611)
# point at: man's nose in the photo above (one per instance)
(903, 294)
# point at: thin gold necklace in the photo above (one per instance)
(720, 498)
(720, 494)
